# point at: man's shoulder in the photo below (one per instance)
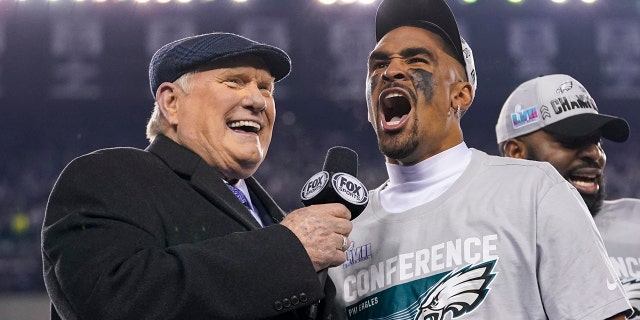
(517, 167)
(117, 158)
(622, 204)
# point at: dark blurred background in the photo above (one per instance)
(73, 78)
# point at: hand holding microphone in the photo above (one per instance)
(332, 198)
(337, 182)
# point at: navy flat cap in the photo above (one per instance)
(185, 55)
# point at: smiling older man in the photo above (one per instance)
(181, 230)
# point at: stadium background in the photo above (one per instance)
(73, 78)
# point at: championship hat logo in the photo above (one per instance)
(522, 118)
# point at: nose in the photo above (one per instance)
(593, 152)
(254, 100)
(394, 71)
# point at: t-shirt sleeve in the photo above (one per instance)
(575, 277)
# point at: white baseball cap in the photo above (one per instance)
(557, 104)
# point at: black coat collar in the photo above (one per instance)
(203, 178)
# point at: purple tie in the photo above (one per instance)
(240, 196)
(265, 218)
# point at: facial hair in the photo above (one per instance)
(593, 201)
(401, 145)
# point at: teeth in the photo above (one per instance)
(393, 95)
(583, 183)
(244, 123)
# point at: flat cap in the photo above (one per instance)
(188, 54)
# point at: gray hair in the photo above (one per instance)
(157, 123)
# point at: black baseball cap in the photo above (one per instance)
(433, 15)
(188, 54)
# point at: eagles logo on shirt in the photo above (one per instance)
(459, 292)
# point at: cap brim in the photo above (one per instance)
(611, 128)
(278, 63)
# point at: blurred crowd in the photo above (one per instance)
(297, 152)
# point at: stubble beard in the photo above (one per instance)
(399, 145)
(402, 145)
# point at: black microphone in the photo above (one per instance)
(336, 183)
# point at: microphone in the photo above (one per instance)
(336, 183)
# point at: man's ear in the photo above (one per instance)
(515, 148)
(462, 95)
(167, 100)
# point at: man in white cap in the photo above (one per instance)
(553, 118)
(454, 232)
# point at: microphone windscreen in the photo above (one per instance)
(337, 182)
(341, 159)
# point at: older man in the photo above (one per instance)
(181, 230)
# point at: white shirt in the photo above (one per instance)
(243, 187)
(411, 186)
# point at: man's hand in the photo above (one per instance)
(322, 229)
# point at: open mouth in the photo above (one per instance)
(395, 108)
(244, 126)
(585, 183)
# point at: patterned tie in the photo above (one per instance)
(240, 196)
(264, 218)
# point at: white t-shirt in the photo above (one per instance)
(619, 225)
(510, 239)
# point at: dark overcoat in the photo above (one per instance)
(156, 234)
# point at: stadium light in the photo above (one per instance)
(346, 2)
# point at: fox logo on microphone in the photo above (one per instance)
(336, 183)
(350, 188)
(314, 185)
